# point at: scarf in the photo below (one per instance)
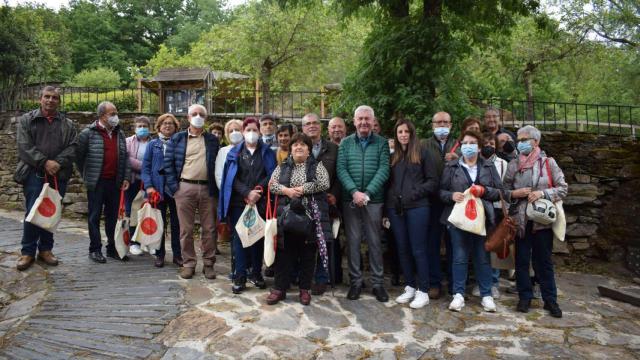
(527, 161)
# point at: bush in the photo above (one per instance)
(88, 101)
(97, 78)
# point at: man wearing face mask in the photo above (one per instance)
(189, 163)
(441, 147)
(101, 157)
(268, 130)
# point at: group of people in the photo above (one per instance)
(311, 184)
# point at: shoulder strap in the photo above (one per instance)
(549, 177)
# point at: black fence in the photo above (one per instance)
(223, 103)
(623, 120)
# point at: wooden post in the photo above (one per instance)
(139, 93)
(160, 98)
(257, 96)
(322, 103)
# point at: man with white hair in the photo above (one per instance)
(189, 163)
(363, 170)
(101, 157)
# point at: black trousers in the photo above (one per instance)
(295, 250)
(105, 197)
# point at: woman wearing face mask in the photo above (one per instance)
(471, 171)
(245, 178)
(136, 148)
(232, 136)
(154, 182)
(488, 152)
(414, 179)
(529, 177)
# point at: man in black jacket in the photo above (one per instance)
(45, 150)
(101, 157)
(327, 153)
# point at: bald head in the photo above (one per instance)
(337, 130)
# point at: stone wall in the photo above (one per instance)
(602, 208)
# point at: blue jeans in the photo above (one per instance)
(535, 248)
(253, 253)
(106, 196)
(169, 204)
(411, 233)
(464, 244)
(34, 237)
(433, 247)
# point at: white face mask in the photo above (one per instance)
(251, 137)
(113, 120)
(197, 121)
(235, 137)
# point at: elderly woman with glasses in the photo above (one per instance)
(532, 176)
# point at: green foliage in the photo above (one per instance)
(96, 78)
(411, 55)
(125, 101)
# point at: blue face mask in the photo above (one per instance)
(142, 132)
(441, 132)
(469, 150)
(525, 147)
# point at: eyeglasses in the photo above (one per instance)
(198, 114)
(525, 139)
(312, 123)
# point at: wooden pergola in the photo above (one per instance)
(178, 88)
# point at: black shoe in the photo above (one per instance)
(239, 285)
(258, 281)
(380, 293)
(97, 257)
(523, 305)
(553, 308)
(114, 255)
(354, 292)
(269, 272)
(395, 280)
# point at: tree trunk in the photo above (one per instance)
(527, 77)
(265, 84)
(431, 8)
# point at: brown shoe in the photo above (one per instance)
(318, 289)
(209, 272)
(187, 272)
(159, 262)
(305, 297)
(25, 262)
(434, 293)
(275, 296)
(48, 258)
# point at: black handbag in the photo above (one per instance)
(294, 220)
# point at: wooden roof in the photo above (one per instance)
(194, 74)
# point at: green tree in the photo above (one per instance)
(410, 62)
(97, 78)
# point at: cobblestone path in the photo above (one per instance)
(88, 310)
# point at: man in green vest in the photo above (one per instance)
(363, 170)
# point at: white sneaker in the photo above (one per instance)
(476, 291)
(495, 293)
(457, 303)
(421, 299)
(408, 294)
(488, 304)
(135, 250)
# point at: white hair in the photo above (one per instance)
(193, 106)
(364, 108)
(531, 131)
(310, 116)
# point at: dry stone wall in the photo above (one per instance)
(603, 172)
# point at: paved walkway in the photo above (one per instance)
(133, 310)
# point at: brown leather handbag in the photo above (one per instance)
(502, 236)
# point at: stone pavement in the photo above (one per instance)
(133, 310)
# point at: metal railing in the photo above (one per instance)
(223, 103)
(623, 120)
(227, 103)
